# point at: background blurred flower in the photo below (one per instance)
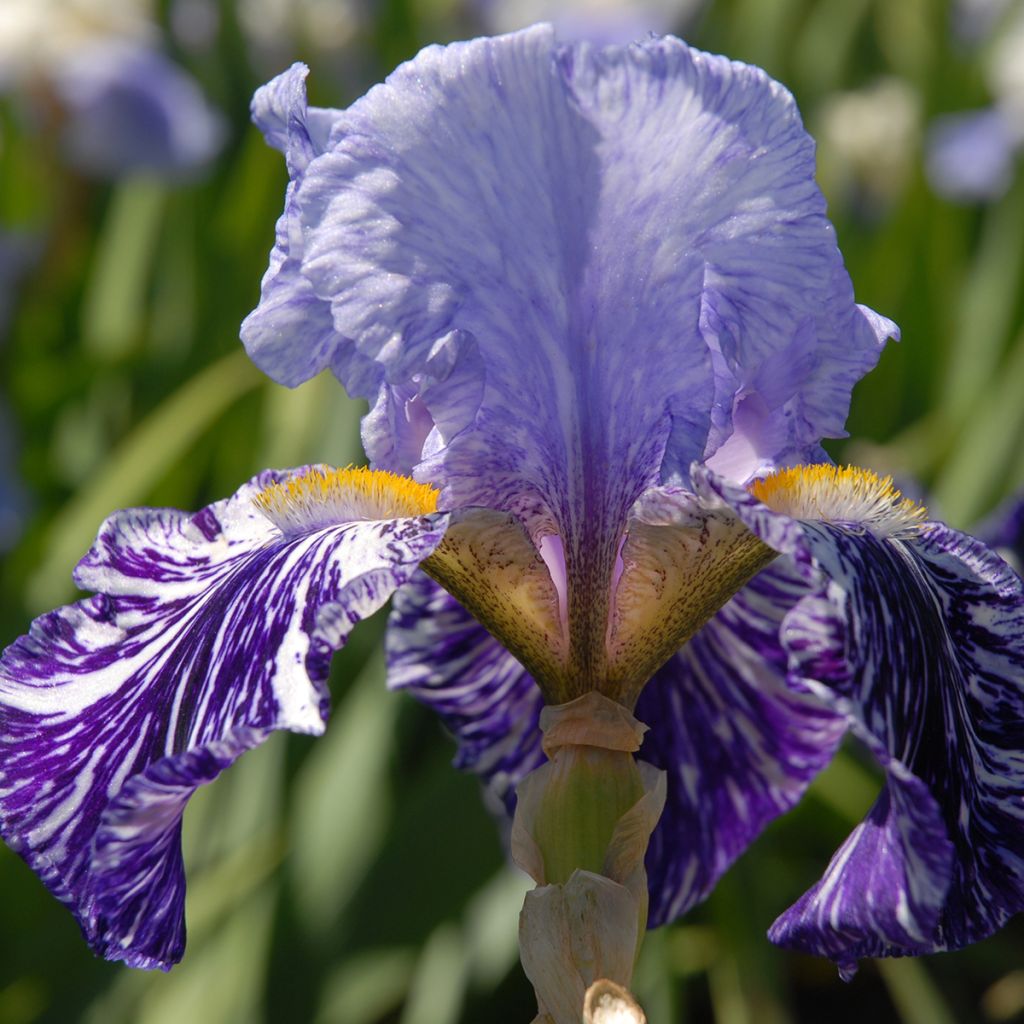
(91, 72)
(19, 250)
(130, 109)
(13, 503)
(973, 20)
(972, 156)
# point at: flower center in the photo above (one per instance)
(840, 494)
(322, 497)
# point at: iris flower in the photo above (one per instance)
(600, 314)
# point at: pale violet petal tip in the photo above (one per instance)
(208, 631)
(290, 335)
(278, 109)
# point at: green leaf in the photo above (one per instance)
(916, 996)
(341, 800)
(988, 446)
(438, 986)
(367, 987)
(115, 296)
(135, 467)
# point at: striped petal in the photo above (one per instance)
(739, 744)
(916, 636)
(207, 632)
(439, 653)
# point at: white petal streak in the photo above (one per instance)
(205, 635)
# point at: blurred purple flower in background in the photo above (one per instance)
(971, 156)
(18, 251)
(1004, 531)
(91, 73)
(598, 310)
(128, 108)
(13, 502)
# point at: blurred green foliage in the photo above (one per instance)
(358, 879)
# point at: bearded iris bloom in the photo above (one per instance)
(603, 323)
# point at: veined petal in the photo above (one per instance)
(208, 631)
(408, 423)
(739, 744)
(290, 335)
(439, 653)
(916, 635)
(633, 239)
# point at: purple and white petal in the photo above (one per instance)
(739, 743)
(441, 655)
(916, 635)
(633, 239)
(207, 632)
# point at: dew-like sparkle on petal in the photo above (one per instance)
(323, 497)
(840, 494)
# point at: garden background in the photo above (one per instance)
(358, 879)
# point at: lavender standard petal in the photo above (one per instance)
(208, 632)
(290, 335)
(633, 239)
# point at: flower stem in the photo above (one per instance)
(583, 821)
